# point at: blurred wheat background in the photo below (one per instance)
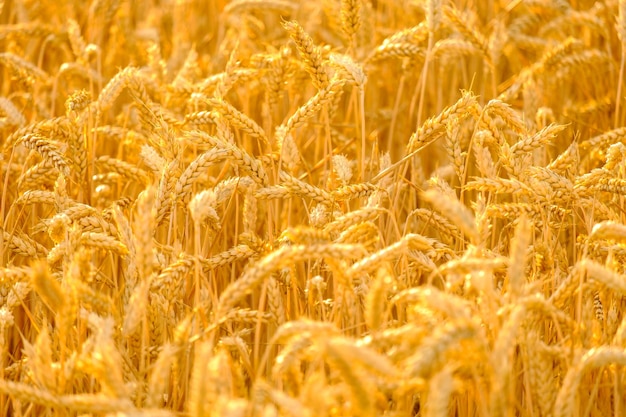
(313, 208)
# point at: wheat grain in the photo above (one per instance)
(239, 120)
(458, 214)
(429, 131)
(48, 151)
(277, 260)
(601, 356)
(430, 355)
(24, 70)
(311, 54)
(360, 388)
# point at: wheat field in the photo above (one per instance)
(313, 208)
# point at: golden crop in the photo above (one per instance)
(313, 208)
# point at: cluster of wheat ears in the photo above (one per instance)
(313, 208)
